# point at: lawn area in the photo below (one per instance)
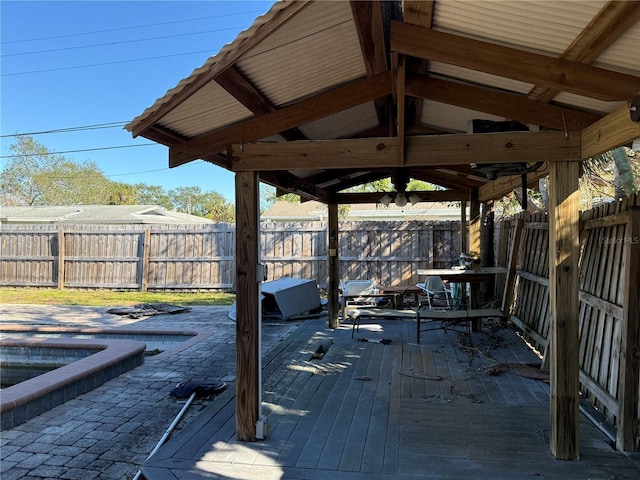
(109, 298)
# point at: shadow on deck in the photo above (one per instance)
(368, 410)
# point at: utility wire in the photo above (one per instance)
(105, 63)
(120, 42)
(128, 28)
(76, 151)
(98, 126)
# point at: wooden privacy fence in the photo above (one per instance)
(198, 257)
(609, 284)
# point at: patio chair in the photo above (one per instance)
(358, 294)
(438, 296)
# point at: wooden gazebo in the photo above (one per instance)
(317, 97)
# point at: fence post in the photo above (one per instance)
(333, 261)
(144, 280)
(61, 254)
(627, 433)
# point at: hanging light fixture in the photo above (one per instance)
(401, 199)
(386, 200)
(414, 198)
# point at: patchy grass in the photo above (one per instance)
(109, 298)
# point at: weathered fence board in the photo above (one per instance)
(202, 257)
(603, 244)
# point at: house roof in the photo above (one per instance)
(312, 210)
(97, 214)
(320, 96)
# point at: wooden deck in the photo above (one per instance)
(369, 410)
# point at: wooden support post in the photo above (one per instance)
(509, 286)
(564, 236)
(464, 244)
(333, 260)
(474, 223)
(628, 379)
(61, 254)
(475, 234)
(144, 281)
(503, 252)
(247, 306)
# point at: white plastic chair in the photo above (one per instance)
(439, 297)
(366, 291)
(357, 294)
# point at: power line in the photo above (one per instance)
(103, 64)
(128, 28)
(77, 151)
(98, 126)
(120, 42)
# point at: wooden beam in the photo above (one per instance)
(614, 130)
(333, 261)
(367, 177)
(425, 196)
(509, 105)
(627, 432)
(446, 178)
(564, 234)
(239, 86)
(222, 62)
(322, 105)
(502, 186)
(611, 22)
(248, 400)
(564, 75)
(287, 182)
(368, 19)
(400, 110)
(418, 12)
(507, 147)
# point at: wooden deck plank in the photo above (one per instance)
(318, 435)
(346, 412)
(376, 439)
(324, 382)
(328, 424)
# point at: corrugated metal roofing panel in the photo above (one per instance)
(624, 54)
(451, 118)
(343, 124)
(320, 50)
(213, 60)
(542, 26)
(209, 108)
(586, 103)
(480, 78)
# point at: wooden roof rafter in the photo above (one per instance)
(565, 75)
(336, 100)
(230, 56)
(234, 82)
(613, 20)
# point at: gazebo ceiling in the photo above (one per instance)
(320, 96)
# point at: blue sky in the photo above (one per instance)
(54, 76)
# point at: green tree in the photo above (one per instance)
(35, 176)
(153, 195)
(210, 205)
